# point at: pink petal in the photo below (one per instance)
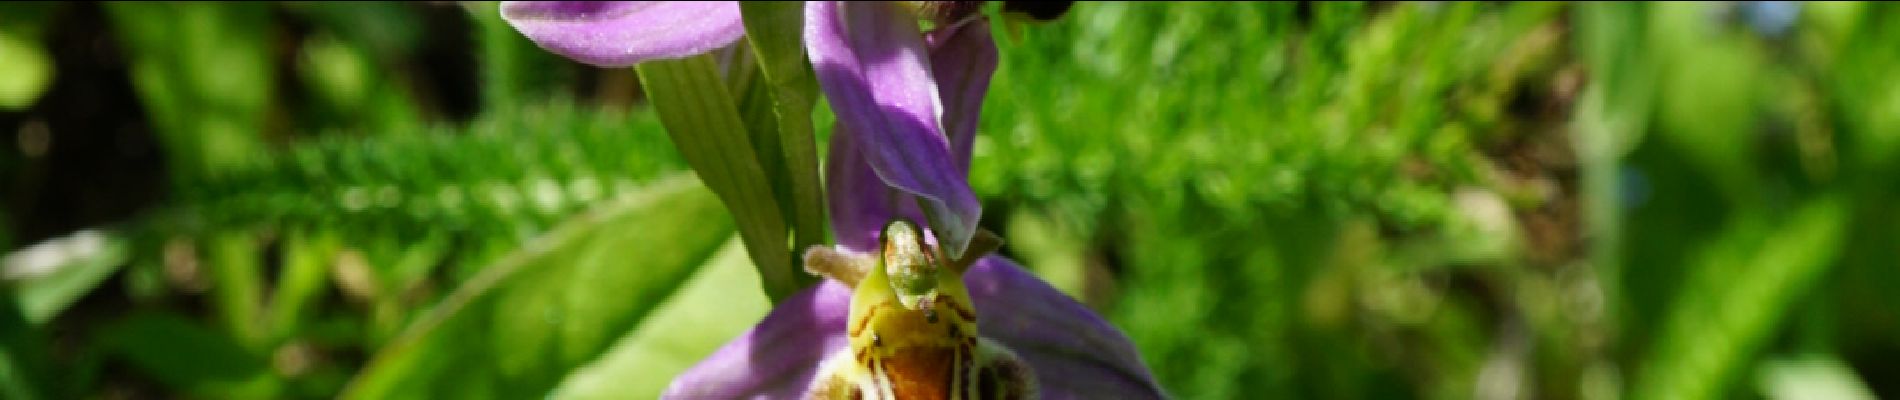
(962, 58)
(777, 358)
(875, 70)
(623, 33)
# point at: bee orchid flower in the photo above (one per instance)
(909, 312)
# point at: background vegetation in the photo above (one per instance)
(1274, 200)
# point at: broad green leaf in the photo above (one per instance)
(189, 357)
(1739, 291)
(523, 323)
(704, 122)
(718, 304)
(775, 30)
(58, 272)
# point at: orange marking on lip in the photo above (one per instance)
(961, 312)
(868, 315)
(919, 372)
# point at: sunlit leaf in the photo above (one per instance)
(50, 276)
(521, 325)
(1811, 377)
(28, 70)
(27, 67)
(718, 303)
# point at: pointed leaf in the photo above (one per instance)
(701, 117)
(777, 29)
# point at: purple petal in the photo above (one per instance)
(623, 33)
(962, 58)
(777, 358)
(1076, 355)
(873, 65)
(860, 202)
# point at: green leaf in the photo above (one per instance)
(1811, 377)
(25, 370)
(1708, 86)
(305, 276)
(775, 30)
(185, 355)
(27, 67)
(704, 122)
(762, 127)
(234, 261)
(715, 306)
(63, 270)
(514, 71)
(518, 327)
(203, 72)
(354, 90)
(1739, 290)
(388, 28)
(29, 70)
(1606, 126)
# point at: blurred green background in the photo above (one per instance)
(1274, 200)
